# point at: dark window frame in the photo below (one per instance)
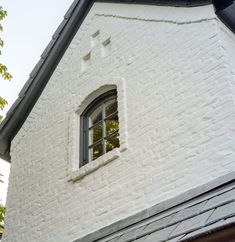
(84, 124)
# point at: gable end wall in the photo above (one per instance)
(179, 116)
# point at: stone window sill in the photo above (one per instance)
(75, 172)
(94, 165)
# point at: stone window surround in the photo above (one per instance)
(75, 172)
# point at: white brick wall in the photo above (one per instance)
(180, 113)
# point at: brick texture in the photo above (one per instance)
(180, 113)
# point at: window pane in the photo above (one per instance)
(96, 151)
(111, 107)
(95, 134)
(112, 142)
(112, 124)
(96, 116)
(100, 127)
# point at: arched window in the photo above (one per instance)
(99, 127)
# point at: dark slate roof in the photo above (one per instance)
(183, 218)
(51, 56)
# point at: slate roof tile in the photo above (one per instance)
(188, 212)
(36, 68)
(221, 199)
(71, 8)
(59, 29)
(25, 87)
(230, 220)
(116, 239)
(141, 239)
(202, 231)
(222, 212)
(178, 238)
(48, 48)
(13, 107)
(211, 211)
(132, 235)
(111, 238)
(160, 235)
(157, 225)
(191, 224)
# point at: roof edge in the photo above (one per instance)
(41, 74)
(160, 207)
(51, 56)
(173, 3)
(225, 10)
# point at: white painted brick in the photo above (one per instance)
(178, 68)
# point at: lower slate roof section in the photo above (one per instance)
(196, 213)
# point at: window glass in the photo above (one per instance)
(112, 142)
(111, 107)
(100, 127)
(111, 124)
(96, 151)
(96, 116)
(95, 134)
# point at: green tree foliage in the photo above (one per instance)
(2, 215)
(3, 69)
(5, 76)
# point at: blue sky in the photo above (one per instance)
(27, 30)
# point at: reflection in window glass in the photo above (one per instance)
(111, 124)
(100, 127)
(96, 151)
(111, 107)
(95, 134)
(96, 116)
(112, 142)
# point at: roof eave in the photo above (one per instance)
(174, 3)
